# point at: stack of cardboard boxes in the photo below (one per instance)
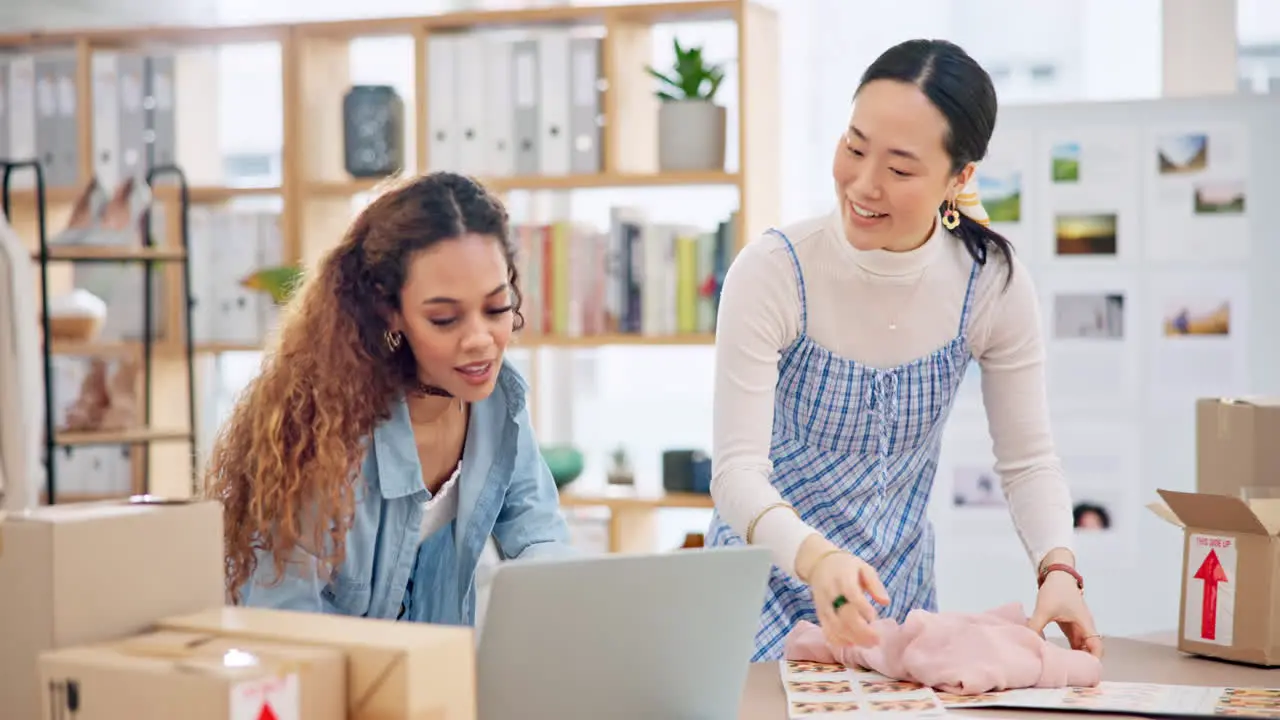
(116, 610)
(1230, 606)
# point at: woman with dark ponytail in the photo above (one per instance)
(840, 345)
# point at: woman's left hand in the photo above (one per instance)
(1060, 600)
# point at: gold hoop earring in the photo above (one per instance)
(951, 218)
(392, 338)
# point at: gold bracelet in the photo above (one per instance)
(816, 563)
(751, 526)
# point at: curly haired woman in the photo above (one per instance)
(385, 439)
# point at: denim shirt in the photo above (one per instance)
(505, 491)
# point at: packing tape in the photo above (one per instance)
(185, 655)
(2, 517)
(356, 705)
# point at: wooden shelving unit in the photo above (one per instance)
(317, 196)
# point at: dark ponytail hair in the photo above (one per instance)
(962, 91)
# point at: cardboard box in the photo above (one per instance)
(84, 573)
(1230, 607)
(1237, 445)
(165, 675)
(395, 670)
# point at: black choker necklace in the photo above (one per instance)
(424, 389)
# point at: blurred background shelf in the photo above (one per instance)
(290, 184)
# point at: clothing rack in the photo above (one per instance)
(149, 255)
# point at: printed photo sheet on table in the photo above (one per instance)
(833, 691)
(1147, 699)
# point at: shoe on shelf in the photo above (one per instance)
(100, 220)
(122, 397)
(85, 215)
(121, 221)
(85, 414)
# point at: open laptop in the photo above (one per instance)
(665, 636)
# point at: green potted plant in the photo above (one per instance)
(279, 282)
(691, 126)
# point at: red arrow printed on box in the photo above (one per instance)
(267, 713)
(1211, 573)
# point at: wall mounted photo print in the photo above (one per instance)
(1197, 317)
(1182, 154)
(1002, 196)
(1219, 198)
(1066, 162)
(1085, 234)
(1199, 323)
(1195, 196)
(1088, 315)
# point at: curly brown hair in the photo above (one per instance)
(285, 464)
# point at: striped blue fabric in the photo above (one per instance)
(855, 450)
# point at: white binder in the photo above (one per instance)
(586, 114)
(48, 134)
(106, 120)
(469, 99)
(162, 134)
(22, 116)
(443, 152)
(500, 160)
(527, 109)
(270, 254)
(131, 70)
(553, 101)
(200, 239)
(68, 119)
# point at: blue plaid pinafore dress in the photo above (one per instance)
(855, 450)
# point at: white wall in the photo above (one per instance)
(1258, 21)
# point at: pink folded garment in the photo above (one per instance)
(959, 653)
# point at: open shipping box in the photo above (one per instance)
(91, 572)
(233, 663)
(121, 614)
(1230, 606)
(395, 670)
(195, 676)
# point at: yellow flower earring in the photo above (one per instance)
(951, 216)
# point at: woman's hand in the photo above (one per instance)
(1060, 600)
(840, 584)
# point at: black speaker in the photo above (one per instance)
(373, 131)
(686, 471)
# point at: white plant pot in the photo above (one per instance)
(691, 135)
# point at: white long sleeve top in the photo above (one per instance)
(760, 316)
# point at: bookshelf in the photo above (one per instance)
(316, 198)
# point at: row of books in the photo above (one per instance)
(638, 277)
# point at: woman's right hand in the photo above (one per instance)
(839, 574)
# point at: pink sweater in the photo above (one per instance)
(960, 653)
